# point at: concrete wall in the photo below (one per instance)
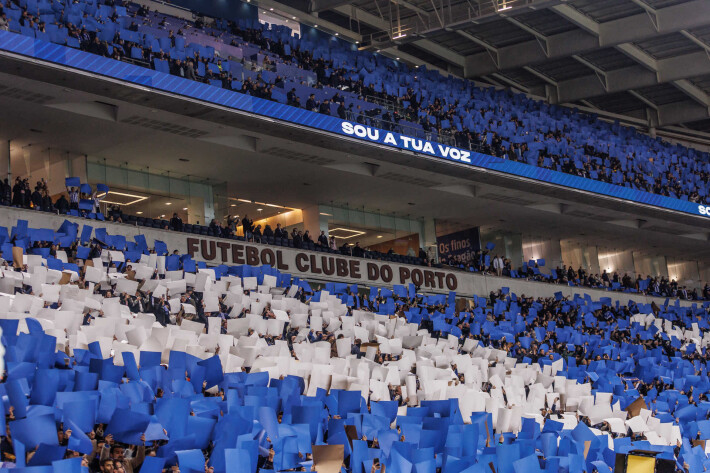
(301, 263)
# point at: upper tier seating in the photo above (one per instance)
(270, 63)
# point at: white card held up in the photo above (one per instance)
(211, 302)
(176, 288)
(214, 325)
(174, 305)
(250, 284)
(269, 280)
(160, 263)
(173, 275)
(203, 282)
(127, 286)
(94, 274)
(197, 327)
(160, 291)
(50, 292)
(189, 309)
(116, 256)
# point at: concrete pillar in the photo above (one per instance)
(5, 167)
(427, 237)
(196, 211)
(77, 167)
(579, 254)
(549, 250)
(314, 221)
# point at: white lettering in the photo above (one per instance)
(420, 145)
(360, 131)
(704, 210)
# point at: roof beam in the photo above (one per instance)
(671, 19)
(593, 35)
(674, 69)
(492, 50)
(320, 5)
(578, 18)
(643, 99)
(530, 53)
(396, 53)
(648, 73)
(601, 74)
(440, 51)
(511, 83)
(540, 75)
(311, 19)
(693, 91)
(650, 11)
(639, 55)
(697, 41)
(410, 6)
(681, 112)
(541, 39)
(594, 85)
(425, 44)
(652, 64)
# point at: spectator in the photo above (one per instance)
(73, 198)
(190, 70)
(247, 226)
(176, 223)
(279, 232)
(36, 199)
(46, 205)
(324, 107)
(18, 192)
(96, 203)
(498, 265)
(311, 103)
(117, 453)
(323, 239)
(62, 205)
(297, 237)
(6, 193)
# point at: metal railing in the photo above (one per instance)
(391, 105)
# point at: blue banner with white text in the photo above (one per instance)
(461, 245)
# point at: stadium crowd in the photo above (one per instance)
(538, 378)
(234, 227)
(125, 358)
(330, 78)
